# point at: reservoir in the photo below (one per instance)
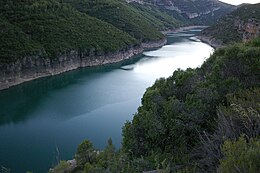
(44, 120)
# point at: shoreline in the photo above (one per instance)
(35, 67)
(216, 44)
(183, 29)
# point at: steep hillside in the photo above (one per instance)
(241, 24)
(50, 28)
(141, 23)
(48, 37)
(199, 12)
(45, 37)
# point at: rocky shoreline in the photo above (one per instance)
(216, 44)
(34, 67)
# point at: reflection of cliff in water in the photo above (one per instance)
(26, 97)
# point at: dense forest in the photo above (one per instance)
(48, 28)
(198, 120)
(139, 21)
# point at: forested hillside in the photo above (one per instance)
(196, 12)
(48, 28)
(141, 23)
(179, 114)
(47, 37)
(198, 120)
(241, 24)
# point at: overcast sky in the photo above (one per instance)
(236, 2)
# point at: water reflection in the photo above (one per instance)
(18, 103)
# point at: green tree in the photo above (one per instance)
(85, 153)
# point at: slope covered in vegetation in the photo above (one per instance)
(178, 111)
(48, 28)
(241, 24)
(196, 12)
(193, 121)
(141, 23)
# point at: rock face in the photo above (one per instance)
(243, 24)
(29, 68)
(211, 41)
(33, 67)
(248, 29)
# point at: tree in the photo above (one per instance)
(85, 153)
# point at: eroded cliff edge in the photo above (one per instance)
(34, 67)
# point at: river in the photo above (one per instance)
(45, 119)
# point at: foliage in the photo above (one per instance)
(177, 110)
(241, 156)
(85, 153)
(48, 28)
(141, 23)
(240, 116)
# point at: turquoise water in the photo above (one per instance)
(44, 120)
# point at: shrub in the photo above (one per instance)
(241, 156)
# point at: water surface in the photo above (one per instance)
(44, 120)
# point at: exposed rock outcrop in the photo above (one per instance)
(211, 41)
(243, 24)
(248, 29)
(33, 67)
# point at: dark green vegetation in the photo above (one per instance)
(179, 113)
(49, 28)
(241, 24)
(139, 21)
(198, 12)
(194, 121)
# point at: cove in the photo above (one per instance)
(44, 120)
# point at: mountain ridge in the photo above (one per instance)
(243, 24)
(192, 11)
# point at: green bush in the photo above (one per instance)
(241, 156)
(85, 153)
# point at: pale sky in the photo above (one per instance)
(237, 2)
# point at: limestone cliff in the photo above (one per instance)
(248, 29)
(242, 24)
(33, 67)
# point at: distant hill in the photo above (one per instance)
(143, 23)
(242, 24)
(199, 12)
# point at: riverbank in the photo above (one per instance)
(216, 44)
(205, 39)
(183, 29)
(34, 67)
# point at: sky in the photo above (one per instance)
(237, 2)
